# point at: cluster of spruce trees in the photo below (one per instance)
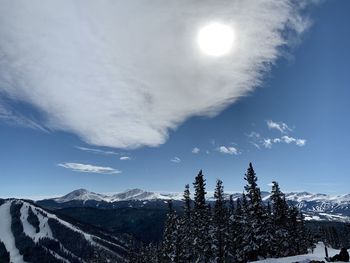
(239, 230)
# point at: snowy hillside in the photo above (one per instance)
(318, 254)
(30, 234)
(319, 207)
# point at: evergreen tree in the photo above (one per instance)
(201, 242)
(280, 243)
(240, 247)
(220, 222)
(256, 234)
(238, 233)
(279, 205)
(186, 228)
(171, 238)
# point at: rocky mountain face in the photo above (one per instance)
(29, 233)
(318, 207)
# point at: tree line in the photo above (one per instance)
(241, 230)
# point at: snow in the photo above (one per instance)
(45, 230)
(29, 230)
(81, 195)
(318, 254)
(139, 194)
(6, 235)
(128, 195)
(319, 207)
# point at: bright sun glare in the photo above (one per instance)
(215, 39)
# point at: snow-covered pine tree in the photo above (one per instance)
(256, 235)
(279, 205)
(231, 230)
(171, 240)
(241, 228)
(185, 231)
(201, 241)
(220, 224)
(280, 244)
(298, 232)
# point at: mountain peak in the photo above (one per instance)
(80, 194)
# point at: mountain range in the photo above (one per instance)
(319, 207)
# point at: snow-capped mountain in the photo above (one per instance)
(82, 195)
(314, 206)
(128, 195)
(30, 234)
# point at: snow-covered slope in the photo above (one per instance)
(318, 254)
(81, 195)
(314, 206)
(31, 234)
(132, 194)
(6, 235)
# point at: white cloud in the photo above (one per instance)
(89, 168)
(195, 150)
(257, 140)
(267, 143)
(97, 151)
(288, 139)
(126, 86)
(176, 160)
(280, 126)
(125, 158)
(228, 150)
(300, 142)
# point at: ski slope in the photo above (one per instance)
(6, 235)
(318, 254)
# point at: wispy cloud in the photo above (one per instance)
(97, 151)
(228, 150)
(89, 168)
(253, 134)
(280, 126)
(267, 143)
(257, 140)
(255, 145)
(94, 83)
(195, 150)
(11, 118)
(125, 158)
(176, 160)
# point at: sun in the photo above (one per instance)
(216, 39)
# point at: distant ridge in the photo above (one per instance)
(318, 206)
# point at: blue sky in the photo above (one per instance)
(293, 127)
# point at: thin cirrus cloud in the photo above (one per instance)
(89, 74)
(125, 158)
(176, 160)
(96, 151)
(228, 150)
(89, 168)
(11, 118)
